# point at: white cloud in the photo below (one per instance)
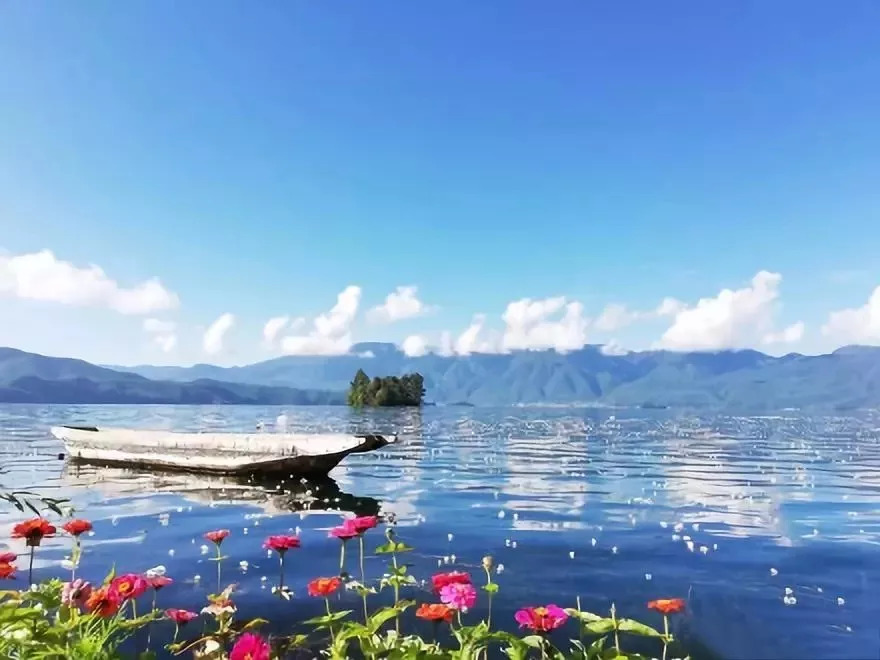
(415, 346)
(616, 316)
(162, 333)
(474, 339)
(402, 303)
(331, 334)
(856, 325)
(613, 347)
(212, 342)
(669, 307)
(447, 345)
(529, 325)
(790, 335)
(41, 276)
(273, 327)
(738, 318)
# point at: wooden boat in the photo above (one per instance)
(218, 453)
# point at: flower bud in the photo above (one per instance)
(488, 563)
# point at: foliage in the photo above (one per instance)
(55, 620)
(405, 390)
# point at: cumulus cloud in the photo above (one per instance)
(860, 325)
(544, 324)
(475, 339)
(162, 333)
(273, 327)
(331, 332)
(402, 303)
(738, 318)
(212, 342)
(790, 335)
(613, 347)
(415, 346)
(616, 316)
(42, 276)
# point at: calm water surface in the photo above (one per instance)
(728, 512)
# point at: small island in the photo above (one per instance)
(407, 390)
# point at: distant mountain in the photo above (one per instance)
(737, 380)
(31, 378)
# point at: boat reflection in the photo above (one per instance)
(272, 494)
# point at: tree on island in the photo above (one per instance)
(405, 390)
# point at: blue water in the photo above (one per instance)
(767, 503)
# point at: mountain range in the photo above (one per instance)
(746, 380)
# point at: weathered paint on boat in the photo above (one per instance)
(218, 453)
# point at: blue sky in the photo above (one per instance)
(259, 159)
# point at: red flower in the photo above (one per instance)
(159, 581)
(217, 535)
(130, 585)
(667, 605)
(324, 587)
(33, 530)
(345, 531)
(281, 543)
(455, 577)
(8, 557)
(7, 571)
(434, 612)
(363, 523)
(180, 617)
(250, 647)
(104, 602)
(77, 527)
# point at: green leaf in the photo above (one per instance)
(385, 548)
(636, 628)
(400, 546)
(254, 623)
(535, 641)
(327, 619)
(491, 587)
(599, 627)
(586, 617)
(379, 618)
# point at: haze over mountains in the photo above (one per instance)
(736, 380)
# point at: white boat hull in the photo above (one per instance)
(218, 453)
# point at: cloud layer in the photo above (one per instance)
(402, 303)
(42, 276)
(212, 342)
(860, 325)
(331, 332)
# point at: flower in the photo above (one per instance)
(220, 606)
(156, 571)
(667, 605)
(76, 593)
(345, 531)
(455, 577)
(362, 523)
(104, 602)
(281, 543)
(250, 647)
(216, 537)
(33, 530)
(434, 612)
(459, 596)
(180, 617)
(130, 585)
(77, 527)
(487, 562)
(541, 619)
(159, 581)
(324, 587)
(7, 571)
(8, 557)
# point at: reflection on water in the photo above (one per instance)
(609, 505)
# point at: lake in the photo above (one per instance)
(609, 505)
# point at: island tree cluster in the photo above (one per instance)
(405, 390)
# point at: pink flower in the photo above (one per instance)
(345, 531)
(216, 537)
(7, 557)
(362, 523)
(159, 581)
(250, 647)
(440, 580)
(130, 585)
(76, 593)
(459, 596)
(281, 543)
(180, 617)
(541, 619)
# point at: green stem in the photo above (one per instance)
(342, 558)
(330, 624)
(616, 635)
(176, 631)
(665, 635)
(396, 592)
(281, 569)
(489, 616)
(31, 568)
(219, 560)
(363, 578)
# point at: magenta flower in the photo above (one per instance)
(362, 523)
(250, 647)
(345, 531)
(76, 593)
(541, 619)
(459, 596)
